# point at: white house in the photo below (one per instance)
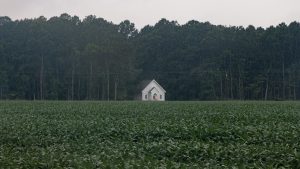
(153, 92)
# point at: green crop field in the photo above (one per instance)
(149, 135)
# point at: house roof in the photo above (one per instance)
(156, 84)
(143, 84)
(152, 89)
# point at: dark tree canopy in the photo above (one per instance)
(65, 58)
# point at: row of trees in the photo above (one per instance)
(65, 58)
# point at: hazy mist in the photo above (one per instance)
(142, 12)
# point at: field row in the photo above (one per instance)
(146, 134)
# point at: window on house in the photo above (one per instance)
(160, 96)
(146, 96)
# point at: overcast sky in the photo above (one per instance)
(143, 12)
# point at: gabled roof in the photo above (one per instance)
(156, 84)
(143, 84)
(152, 89)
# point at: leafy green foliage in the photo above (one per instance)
(145, 134)
(66, 58)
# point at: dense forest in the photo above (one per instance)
(66, 58)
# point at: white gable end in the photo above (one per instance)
(153, 92)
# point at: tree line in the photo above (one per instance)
(66, 58)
